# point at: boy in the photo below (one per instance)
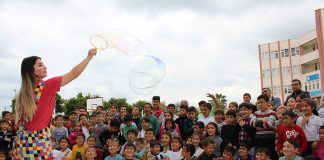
(157, 111)
(155, 151)
(91, 142)
(113, 149)
(219, 119)
(188, 150)
(209, 147)
(262, 154)
(6, 136)
(129, 152)
(59, 131)
(244, 149)
(149, 135)
(7, 115)
(289, 130)
(264, 120)
(91, 129)
(113, 132)
(145, 125)
(100, 127)
(229, 153)
(140, 148)
(192, 114)
(205, 110)
(184, 123)
(79, 149)
(290, 149)
(230, 130)
(198, 128)
(131, 138)
(320, 149)
(172, 108)
(154, 124)
(246, 132)
(129, 124)
(73, 118)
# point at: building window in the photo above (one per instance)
(274, 55)
(284, 53)
(286, 71)
(305, 87)
(266, 73)
(276, 90)
(287, 89)
(265, 55)
(316, 66)
(317, 84)
(296, 70)
(275, 72)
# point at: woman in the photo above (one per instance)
(35, 105)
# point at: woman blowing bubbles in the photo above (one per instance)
(35, 105)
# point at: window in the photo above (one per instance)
(287, 89)
(296, 69)
(266, 73)
(286, 71)
(265, 55)
(274, 55)
(276, 90)
(284, 53)
(275, 72)
(316, 66)
(317, 84)
(297, 50)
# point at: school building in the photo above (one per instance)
(297, 58)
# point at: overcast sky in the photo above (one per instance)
(206, 45)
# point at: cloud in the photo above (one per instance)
(207, 46)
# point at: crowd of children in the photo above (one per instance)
(241, 132)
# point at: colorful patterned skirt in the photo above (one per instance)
(33, 145)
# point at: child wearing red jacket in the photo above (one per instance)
(289, 130)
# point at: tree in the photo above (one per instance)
(120, 102)
(221, 98)
(140, 104)
(59, 103)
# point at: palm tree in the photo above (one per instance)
(221, 99)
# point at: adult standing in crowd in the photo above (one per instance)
(275, 101)
(296, 87)
(35, 105)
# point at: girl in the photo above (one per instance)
(108, 117)
(35, 105)
(114, 110)
(320, 149)
(170, 126)
(212, 132)
(64, 152)
(291, 104)
(166, 141)
(310, 122)
(176, 145)
(196, 140)
(73, 135)
(83, 120)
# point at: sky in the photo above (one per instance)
(207, 46)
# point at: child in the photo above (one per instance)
(192, 114)
(170, 126)
(100, 127)
(131, 138)
(244, 149)
(262, 154)
(213, 134)
(154, 124)
(246, 131)
(145, 126)
(109, 116)
(233, 106)
(310, 123)
(263, 120)
(199, 128)
(6, 137)
(91, 129)
(205, 110)
(166, 141)
(59, 131)
(188, 151)
(64, 151)
(320, 150)
(229, 153)
(230, 130)
(76, 131)
(114, 110)
(290, 131)
(128, 124)
(280, 111)
(113, 149)
(83, 118)
(91, 142)
(113, 132)
(195, 140)
(291, 104)
(184, 123)
(3, 155)
(136, 116)
(91, 154)
(209, 150)
(176, 146)
(172, 109)
(155, 151)
(129, 151)
(290, 149)
(73, 118)
(123, 109)
(219, 119)
(79, 149)
(140, 148)
(149, 135)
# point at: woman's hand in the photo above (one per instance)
(92, 52)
